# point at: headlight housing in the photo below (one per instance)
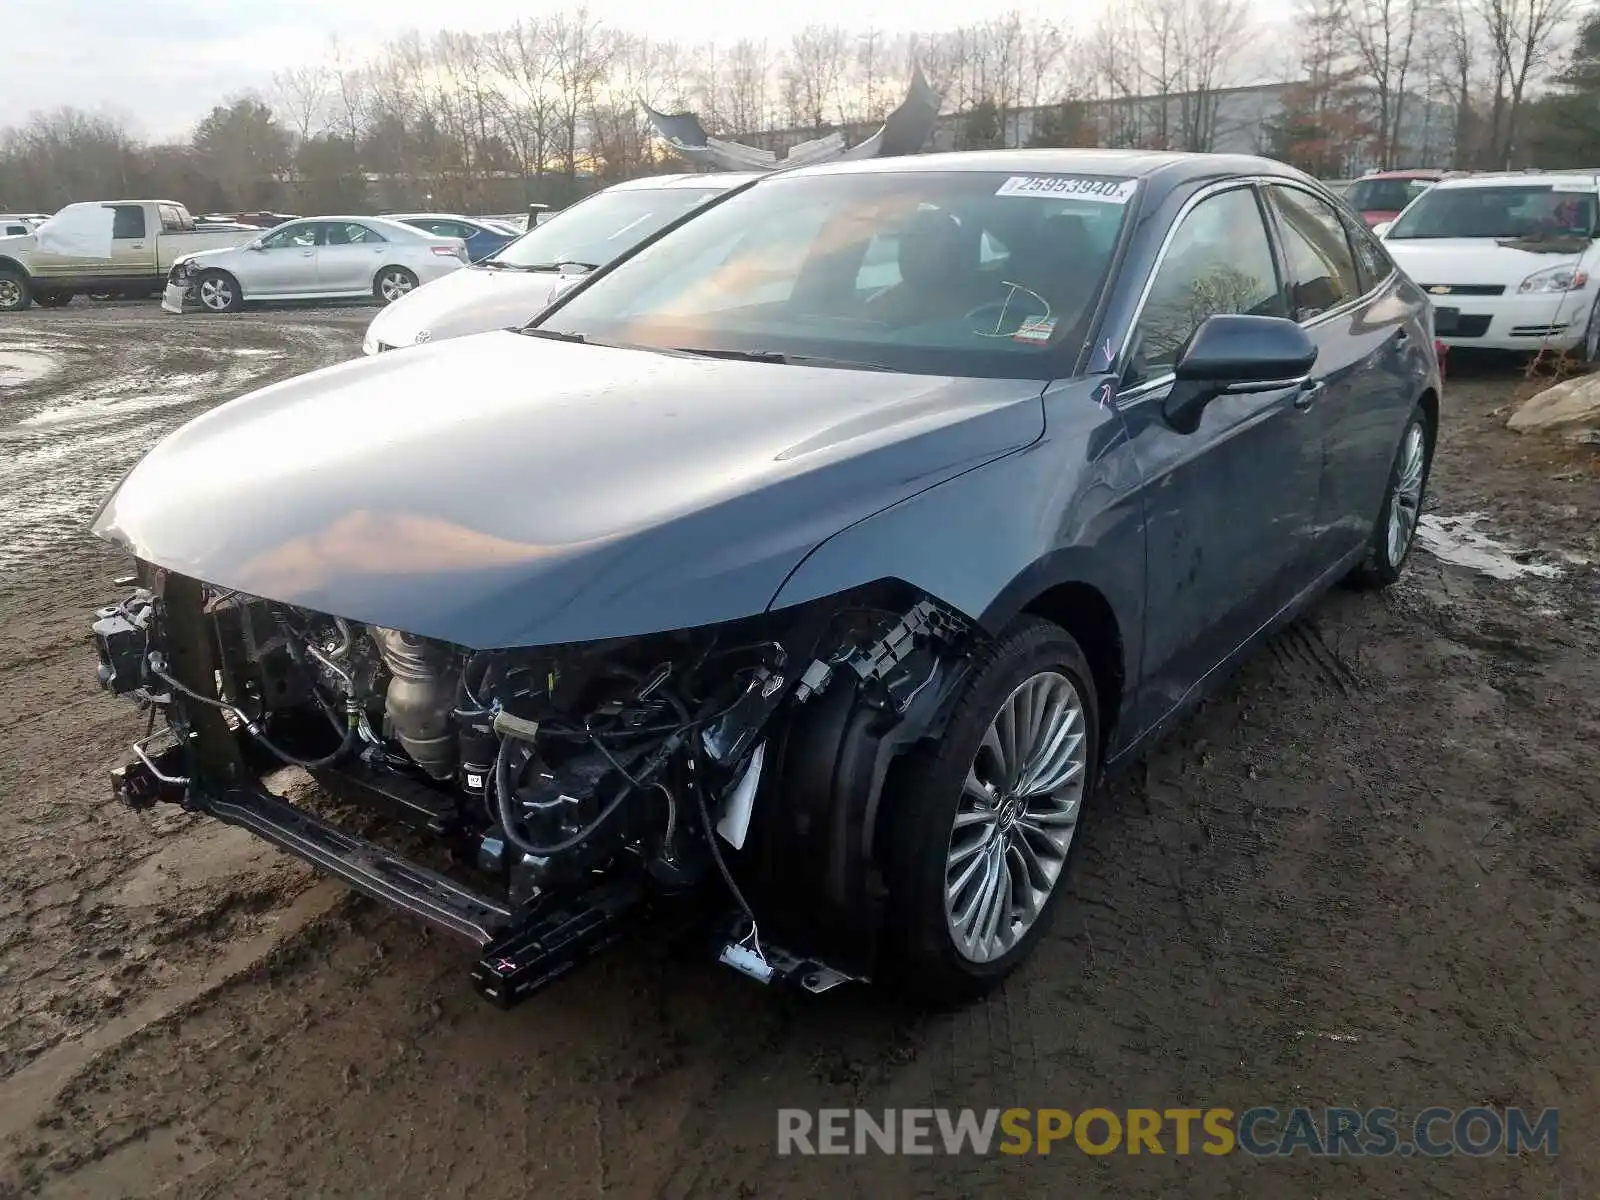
(1555, 279)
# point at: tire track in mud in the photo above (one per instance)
(103, 387)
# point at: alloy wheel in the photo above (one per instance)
(1016, 817)
(216, 295)
(1407, 501)
(10, 293)
(394, 285)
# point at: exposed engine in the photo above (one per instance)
(547, 768)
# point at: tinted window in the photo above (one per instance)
(171, 219)
(1371, 258)
(440, 228)
(1512, 211)
(1218, 261)
(128, 221)
(350, 233)
(1316, 249)
(1385, 195)
(291, 235)
(15, 230)
(986, 276)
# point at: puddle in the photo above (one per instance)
(18, 367)
(1456, 540)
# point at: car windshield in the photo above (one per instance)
(1385, 195)
(956, 273)
(1514, 211)
(601, 227)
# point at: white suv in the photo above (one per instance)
(1509, 260)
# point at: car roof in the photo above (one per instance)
(434, 216)
(1171, 167)
(713, 180)
(1513, 178)
(1417, 173)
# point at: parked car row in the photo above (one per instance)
(814, 550)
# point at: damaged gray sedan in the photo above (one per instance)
(804, 570)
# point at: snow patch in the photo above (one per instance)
(18, 367)
(1456, 540)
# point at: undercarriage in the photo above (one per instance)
(562, 793)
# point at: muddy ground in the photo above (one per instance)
(1367, 873)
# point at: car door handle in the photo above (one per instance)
(137, 246)
(308, 254)
(1307, 395)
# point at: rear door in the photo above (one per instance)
(349, 257)
(1361, 326)
(133, 244)
(1228, 508)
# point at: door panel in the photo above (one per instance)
(285, 265)
(133, 244)
(1229, 508)
(1360, 337)
(349, 257)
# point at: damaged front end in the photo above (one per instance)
(564, 788)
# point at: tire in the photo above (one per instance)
(391, 283)
(928, 959)
(15, 294)
(1589, 349)
(218, 292)
(1387, 548)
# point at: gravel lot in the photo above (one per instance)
(1366, 873)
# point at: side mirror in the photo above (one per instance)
(1233, 354)
(256, 246)
(1381, 228)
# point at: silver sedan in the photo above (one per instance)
(314, 259)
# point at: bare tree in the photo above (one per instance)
(817, 57)
(522, 57)
(580, 52)
(748, 84)
(300, 97)
(1383, 38)
(1521, 34)
(1454, 52)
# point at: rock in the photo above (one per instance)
(1571, 405)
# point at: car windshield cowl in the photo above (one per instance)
(957, 273)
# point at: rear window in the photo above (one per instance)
(1513, 211)
(602, 227)
(1385, 195)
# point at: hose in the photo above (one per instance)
(253, 729)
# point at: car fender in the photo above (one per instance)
(993, 541)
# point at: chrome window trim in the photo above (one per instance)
(1255, 182)
(1214, 189)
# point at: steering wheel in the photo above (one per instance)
(1018, 304)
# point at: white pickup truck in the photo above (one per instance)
(103, 247)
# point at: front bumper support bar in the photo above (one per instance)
(364, 866)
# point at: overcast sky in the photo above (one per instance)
(161, 64)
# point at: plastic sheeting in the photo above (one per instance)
(904, 131)
(77, 231)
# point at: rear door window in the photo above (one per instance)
(1322, 267)
(128, 222)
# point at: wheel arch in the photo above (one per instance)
(238, 284)
(11, 265)
(1429, 402)
(1084, 612)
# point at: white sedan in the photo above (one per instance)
(1510, 261)
(322, 258)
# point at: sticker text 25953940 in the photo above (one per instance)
(1106, 191)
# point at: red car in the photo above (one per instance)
(1382, 195)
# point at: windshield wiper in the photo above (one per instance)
(793, 360)
(558, 266)
(555, 335)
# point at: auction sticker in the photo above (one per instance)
(1082, 187)
(1036, 330)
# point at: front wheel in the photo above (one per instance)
(392, 283)
(1395, 530)
(15, 294)
(219, 292)
(984, 821)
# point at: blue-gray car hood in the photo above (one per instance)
(503, 490)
